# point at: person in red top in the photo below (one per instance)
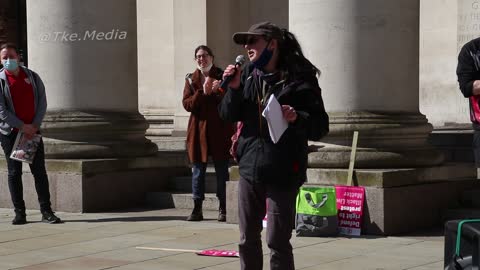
(22, 107)
(21, 91)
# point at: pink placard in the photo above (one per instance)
(350, 209)
(219, 253)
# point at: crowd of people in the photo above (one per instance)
(271, 171)
(226, 123)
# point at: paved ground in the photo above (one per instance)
(108, 241)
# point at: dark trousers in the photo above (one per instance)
(198, 179)
(15, 175)
(251, 210)
(476, 147)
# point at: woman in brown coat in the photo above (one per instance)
(207, 134)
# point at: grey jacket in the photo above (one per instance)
(8, 118)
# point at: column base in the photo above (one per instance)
(339, 157)
(95, 134)
(160, 123)
(100, 184)
(385, 140)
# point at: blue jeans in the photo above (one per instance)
(198, 179)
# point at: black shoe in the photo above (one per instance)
(195, 217)
(49, 217)
(197, 213)
(222, 217)
(222, 212)
(20, 219)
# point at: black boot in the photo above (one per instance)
(197, 214)
(222, 212)
(20, 217)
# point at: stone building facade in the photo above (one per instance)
(117, 80)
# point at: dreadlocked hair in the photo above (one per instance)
(292, 60)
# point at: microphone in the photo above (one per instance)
(239, 61)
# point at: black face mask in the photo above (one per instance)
(264, 58)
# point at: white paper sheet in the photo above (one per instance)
(276, 123)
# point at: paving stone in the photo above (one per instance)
(109, 241)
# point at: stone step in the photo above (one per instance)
(162, 200)
(471, 198)
(451, 138)
(169, 143)
(184, 184)
(456, 145)
(460, 213)
(394, 177)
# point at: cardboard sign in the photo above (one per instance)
(350, 209)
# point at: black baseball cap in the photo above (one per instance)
(266, 29)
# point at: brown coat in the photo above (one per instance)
(207, 134)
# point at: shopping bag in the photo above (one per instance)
(316, 212)
(463, 261)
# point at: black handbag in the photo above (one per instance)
(460, 262)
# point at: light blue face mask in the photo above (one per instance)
(10, 64)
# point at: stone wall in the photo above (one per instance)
(445, 25)
(12, 23)
(168, 33)
(5, 26)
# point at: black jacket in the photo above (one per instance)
(260, 160)
(468, 70)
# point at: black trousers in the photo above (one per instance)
(15, 175)
(476, 147)
(281, 210)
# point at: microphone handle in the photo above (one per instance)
(226, 82)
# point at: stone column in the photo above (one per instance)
(444, 28)
(99, 158)
(156, 90)
(86, 54)
(440, 42)
(368, 53)
(190, 30)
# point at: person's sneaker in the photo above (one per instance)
(19, 219)
(49, 217)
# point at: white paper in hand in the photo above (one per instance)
(276, 123)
